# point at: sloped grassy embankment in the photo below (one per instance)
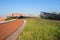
(40, 29)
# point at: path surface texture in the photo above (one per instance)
(6, 29)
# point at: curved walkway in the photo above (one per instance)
(6, 29)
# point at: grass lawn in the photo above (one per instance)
(40, 29)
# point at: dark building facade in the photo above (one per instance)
(46, 15)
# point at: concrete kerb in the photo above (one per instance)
(7, 21)
(14, 35)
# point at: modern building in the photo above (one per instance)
(46, 15)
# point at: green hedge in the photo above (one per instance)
(9, 18)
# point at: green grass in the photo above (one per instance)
(9, 18)
(40, 29)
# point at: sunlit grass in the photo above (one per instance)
(40, 29)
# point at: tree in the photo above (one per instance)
(59, 13)
(54, 12)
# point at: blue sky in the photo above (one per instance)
(28, 6)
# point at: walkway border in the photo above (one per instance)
(15, 34)
(7, 21)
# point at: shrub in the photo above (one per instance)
(9, 18)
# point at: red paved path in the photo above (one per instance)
(8, 28)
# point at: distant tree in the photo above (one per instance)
(54, 12)
(59, 13)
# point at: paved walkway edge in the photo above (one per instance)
(7, 21)
(14, 35)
